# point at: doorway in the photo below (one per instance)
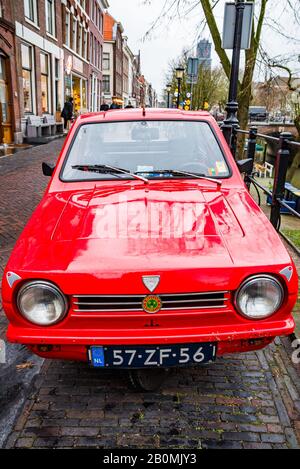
(6, 130)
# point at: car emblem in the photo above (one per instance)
(11, 278)
(152, 304)
(151, 282)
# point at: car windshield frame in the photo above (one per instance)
(159, 178)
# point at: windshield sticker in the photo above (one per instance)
(212, 172)
(221, 167)
(145, 169)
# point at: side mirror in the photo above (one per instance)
(245, 166)
(48, 169)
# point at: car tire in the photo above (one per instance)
(147, 380)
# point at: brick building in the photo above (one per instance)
(51, 50)
(9, 92)
(76, 52)
(113, 60)
(96, 27)
(39, 57)
(137, 81)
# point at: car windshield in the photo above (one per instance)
(146, 148)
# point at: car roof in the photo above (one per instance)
(140, 114)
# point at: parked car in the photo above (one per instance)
(258, 114)
(147, 251)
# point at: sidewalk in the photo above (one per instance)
(21, 187)
(288, 223)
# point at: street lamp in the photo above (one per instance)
(232, 106)
(169, 88)
(179, 76)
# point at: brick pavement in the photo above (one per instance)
(243, 401)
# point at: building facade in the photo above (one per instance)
(39, 56)
(137, 85)
(76, 52)
(96, 27)
(113, 60)
(10, 124)
(51, 50)
(128, 74)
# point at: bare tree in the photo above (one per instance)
(176, 7)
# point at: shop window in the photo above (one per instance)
(27, 77)
(4, 117)
(45, 83)
(50, 17)
(106, 61)
(30, 10)
(106, 83)
(79, 89)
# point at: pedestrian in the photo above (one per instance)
(104, 107)
(67, 112)
(114, 106)
(129, 106)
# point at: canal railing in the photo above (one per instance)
(284, 145)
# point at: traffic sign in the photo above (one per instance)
(229, 25)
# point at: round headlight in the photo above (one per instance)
(42, 303)
(259, 297)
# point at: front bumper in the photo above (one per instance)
(211, 333)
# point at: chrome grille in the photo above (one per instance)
(178, 301)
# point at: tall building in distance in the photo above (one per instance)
(204, 54)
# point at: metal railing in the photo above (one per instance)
(284, 146)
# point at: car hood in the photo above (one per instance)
(139, 228)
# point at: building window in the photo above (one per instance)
(50, 17)
(82, 3)
(106, 61)
(79, 39)
(30, 10)
(68, 29)
(106, 83)
(74, 34)
(45, 83)
(26, 52)
(85, 44)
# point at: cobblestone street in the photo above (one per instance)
(243, 401)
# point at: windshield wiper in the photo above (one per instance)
(185, 173)
(105, 168)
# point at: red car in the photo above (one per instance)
(147, 251)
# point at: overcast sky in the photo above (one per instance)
(170, 37)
